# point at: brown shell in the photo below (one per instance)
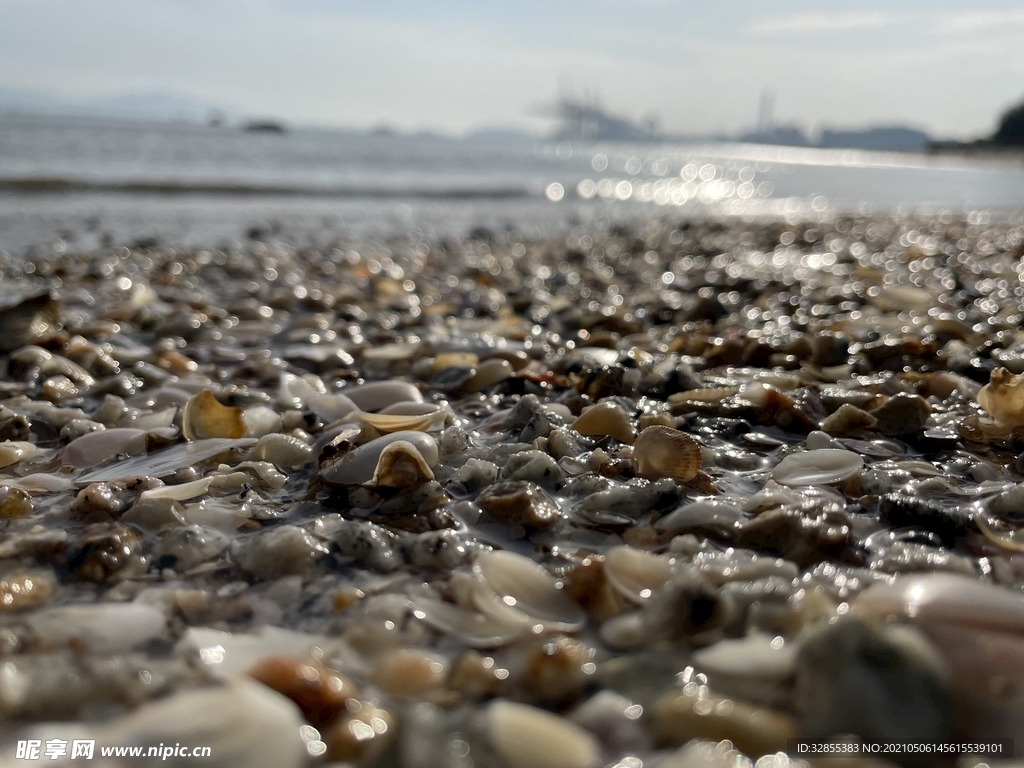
(662, 451)
(204, 416)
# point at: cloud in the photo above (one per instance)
(822, 22)
(976, 21)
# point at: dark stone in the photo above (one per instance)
(900, 511)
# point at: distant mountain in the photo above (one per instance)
(149, 105)
(498, 133)
(783, 135)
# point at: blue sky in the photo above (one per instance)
(697, 66)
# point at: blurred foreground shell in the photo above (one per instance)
(527, 737)
(666, 452)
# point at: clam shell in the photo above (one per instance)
(380, 394)
(662, 451)
(203, 416)
(516, 590)
(359, 465)
(605, 419)
(400, 465)
(635, 573)
(819, 467)
(528, 737)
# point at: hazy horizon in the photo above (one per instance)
(459, 66)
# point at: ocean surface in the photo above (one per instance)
(78, 182)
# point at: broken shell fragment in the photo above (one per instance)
(203, 416)
(1003, 398)
(605, 418)
(662, 451)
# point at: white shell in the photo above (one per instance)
(516, 590)
(360, 464)
(475, 629)
(605, 418)
(100, 627)
(282, 450)
(820, 467)
(527, 737)
(243, 723)
(944, 598)
(97, 447)
(634, 573)
(380, 394)
(165, 462)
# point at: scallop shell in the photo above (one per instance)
(635, 573)
(203, 416)
(666, 452)
(400, 465)
(359, 465)
(528, 737)
(605, 419)
(819, 467)
(1003, 397)
(516, 590)
(13, 451)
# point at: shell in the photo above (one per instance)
(516, 590)
(282, 450)
(474, 629)
(605, 419)
(818, 467)
(944, 598)
(1003, 397)
(95, 448)
(666, 452)
(406, 672)
(392, 422)
(13, 451)
(489, 373)
(400, 465)
(635, 573)
(449, 359)
(697, 713)
(359, 465)
(100, 627)
(527, 737)
(378, 395)
(203, 417)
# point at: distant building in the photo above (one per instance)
(896, 138)
(586, 121)
(784, 135)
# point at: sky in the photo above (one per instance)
(698, 67)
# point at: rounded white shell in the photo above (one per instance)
(820, 467)
(360, 464)
(527, 737)
(517, 591)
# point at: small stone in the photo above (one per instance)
(321, 693)
(519, 502)
(902, 414)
